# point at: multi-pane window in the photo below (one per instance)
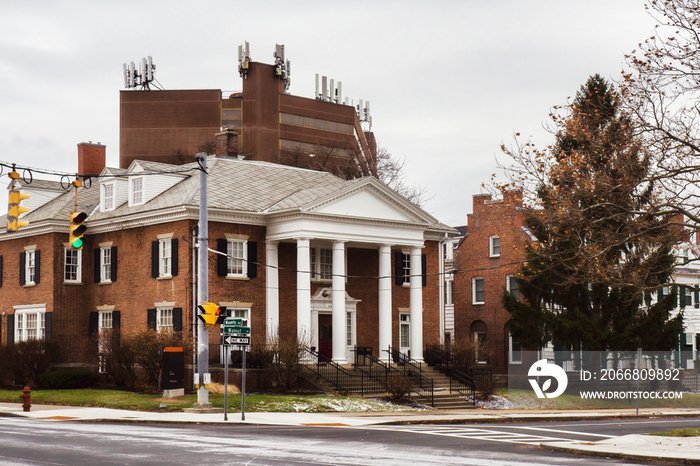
(449, 289)
(348, 328)
(242, 313)
(512, 286)
(165, 263)
(164, 320)
(108, 196)
(104, 328)
(106, 264)
(30, 267)
(481, 351)
(236, 258)
(71, 268)
(321, 264)
(29, 325)
(494, 246)
(406, 268)
(137, 190)
(478, 292)
(404, 330)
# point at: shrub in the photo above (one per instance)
(398, 386)
(148, 347)
(486, 387)
(68, 378)
(120, 365)
(32, 358)
(286, 362)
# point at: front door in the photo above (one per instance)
(325, 335)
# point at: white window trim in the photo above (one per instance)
(493, 253)
(510, 351)
(159, 317)
(474, 279)
(449, 289)
(30, 257)
(21, 313)
(315, 268)
(508, 286)
(105, 206)
(244, 259)
(132, 193)
(104, 269)
(405, 320)
(165, 269)
(78, 274)
(406, 267)
(478, 356)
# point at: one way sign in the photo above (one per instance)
(234, 340)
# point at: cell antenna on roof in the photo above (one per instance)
(243, 60)
(282, 66)
(143, 78)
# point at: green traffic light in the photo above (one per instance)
(78, 243)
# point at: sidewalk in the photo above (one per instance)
(677, 450)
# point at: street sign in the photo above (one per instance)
(233, 322)
(236, 330)
(233, 340)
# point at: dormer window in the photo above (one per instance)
(108, 196)
(137, 191)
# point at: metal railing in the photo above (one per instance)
(463, 380)
(413, 370)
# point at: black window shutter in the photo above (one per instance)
(222, 261)
(96, 265)
(116, 327)
(173, 252)
(22, 264)
(151, 319)
(177, 319)
(154, 259)
(37, 266)
(114, 264)
(398, 268)
(93, 323)
(424, 262)
(48, 321)
(10, 329)
(252, 259)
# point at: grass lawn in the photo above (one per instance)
(119, 399)
(679, 433)
(526, 399)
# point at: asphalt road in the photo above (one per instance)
(42, 442)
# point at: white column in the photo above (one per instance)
(416, 305)
(304, 290)
(384, 302)
(338, 303)
(273, 292)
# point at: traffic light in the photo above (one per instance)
(210, 313)
(77, 229)
(14, 210)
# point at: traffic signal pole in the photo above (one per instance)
(202, 285)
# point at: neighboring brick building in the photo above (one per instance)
(290, 234)
(274, 126)
(486, 260)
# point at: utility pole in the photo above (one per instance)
(203, 287)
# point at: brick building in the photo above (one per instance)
(345, 262)
(485, 262)
(273, 125)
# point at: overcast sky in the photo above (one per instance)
(448, 81)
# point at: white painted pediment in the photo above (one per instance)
(365, 204)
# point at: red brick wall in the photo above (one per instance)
(505, 219)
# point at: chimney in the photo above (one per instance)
(91, 158)
(227, 143)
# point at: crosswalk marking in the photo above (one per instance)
(478, 434)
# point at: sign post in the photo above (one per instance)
(233, 332)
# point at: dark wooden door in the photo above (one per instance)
(325, 335)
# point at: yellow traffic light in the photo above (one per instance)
(209, 313)
(14, 210)
(77, 229)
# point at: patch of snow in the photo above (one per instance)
(494, 402)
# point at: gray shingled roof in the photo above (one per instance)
(236, 185)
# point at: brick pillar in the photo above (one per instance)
(227, 142)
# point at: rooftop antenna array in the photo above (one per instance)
(244, 60)
(328, 92)
(141, 78)
(283, 68)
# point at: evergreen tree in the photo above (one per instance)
(602, 246)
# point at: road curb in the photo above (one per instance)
(618, 455)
